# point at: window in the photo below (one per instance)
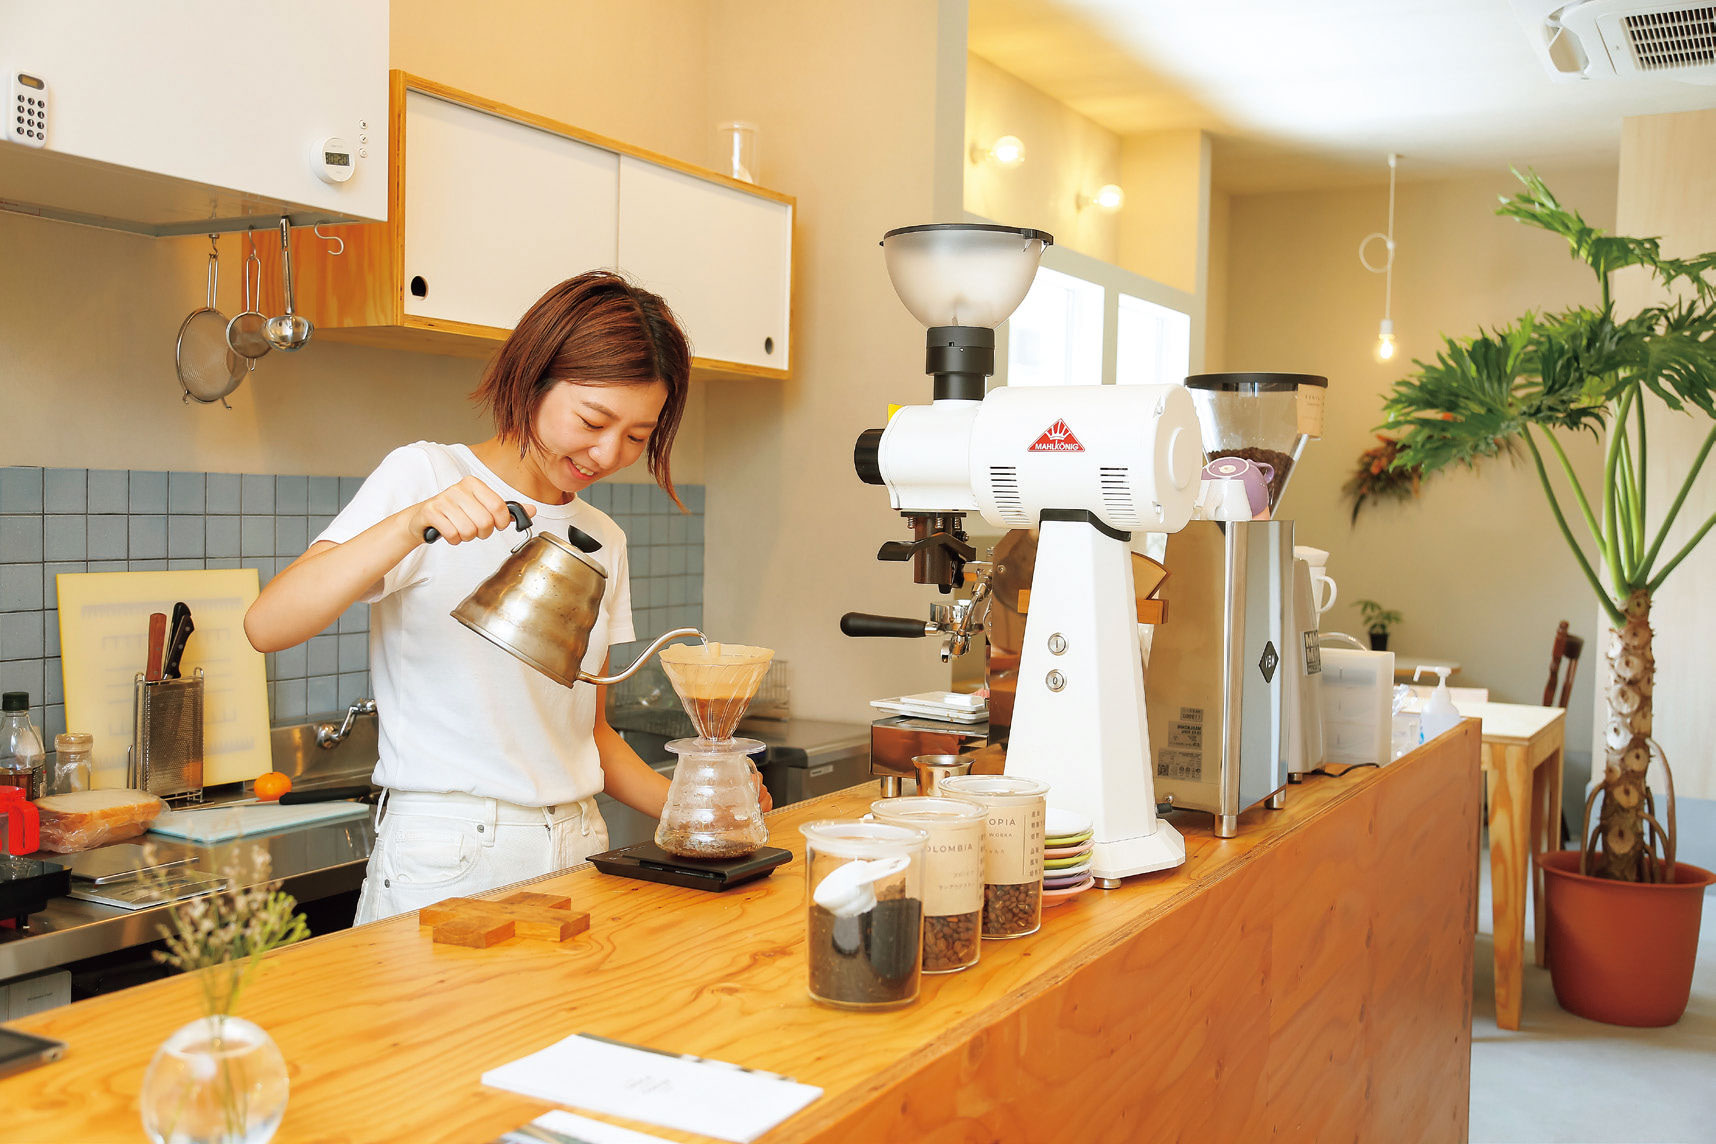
(1154, 344)
(1055, 336)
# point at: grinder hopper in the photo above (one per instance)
(716, 682)
(1261, 417)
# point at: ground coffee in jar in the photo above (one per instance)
(1014, 810)
(865, 918)
(953, 874)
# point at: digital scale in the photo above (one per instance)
(650, 863)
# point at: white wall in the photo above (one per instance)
(845, 99)
(1475, 564)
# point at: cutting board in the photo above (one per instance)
(104, 638)
(218, 825)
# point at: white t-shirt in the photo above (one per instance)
(458, 713)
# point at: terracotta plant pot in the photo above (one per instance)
(1622, 952)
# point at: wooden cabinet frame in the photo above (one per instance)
(358, 295)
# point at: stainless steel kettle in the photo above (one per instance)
(542, 603)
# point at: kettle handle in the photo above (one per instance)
(519, 517)
(676, 633)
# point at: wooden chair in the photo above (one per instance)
(1566, 648)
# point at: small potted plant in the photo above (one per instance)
(1377, 621)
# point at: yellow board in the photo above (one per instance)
(104, 637)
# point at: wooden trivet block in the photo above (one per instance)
(478, 923)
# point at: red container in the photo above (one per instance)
(1622, 952)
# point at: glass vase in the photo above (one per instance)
(217, 1080)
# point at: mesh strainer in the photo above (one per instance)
(716, 682)
(208, 369)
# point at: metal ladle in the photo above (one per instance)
(289, 331)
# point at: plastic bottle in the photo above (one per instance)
(1407, 733)
(1439, 713)
(21, 754)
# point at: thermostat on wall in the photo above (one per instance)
(333, 160)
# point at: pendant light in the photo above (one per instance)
(1385, 332)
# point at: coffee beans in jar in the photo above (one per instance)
(1014, 809)
(951, 942)
(952, 877)
(864, 924)
(1012, 910)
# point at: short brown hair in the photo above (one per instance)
(595, 329)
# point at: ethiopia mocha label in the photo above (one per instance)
(1013, 843)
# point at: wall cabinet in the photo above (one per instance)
(491, 205)
(197, 115)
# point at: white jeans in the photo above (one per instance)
(434, 846)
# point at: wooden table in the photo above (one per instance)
(1309, 979)
(1522, 760)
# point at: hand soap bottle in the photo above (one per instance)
(1439, 712)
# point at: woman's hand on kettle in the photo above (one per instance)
(469, 510)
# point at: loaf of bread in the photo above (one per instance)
(89, 818)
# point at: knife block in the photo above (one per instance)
(166, 757)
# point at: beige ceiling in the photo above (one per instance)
(1318, 92)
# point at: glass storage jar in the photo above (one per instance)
(953, 874)
(72, 751)
(1012, 849)
(864, 912)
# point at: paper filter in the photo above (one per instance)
(716, 682)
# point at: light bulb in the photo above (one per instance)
(1110, 198)
(1385, 340)
(1008, 151)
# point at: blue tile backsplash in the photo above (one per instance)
(114, 520)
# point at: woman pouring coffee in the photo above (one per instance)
(489, 768)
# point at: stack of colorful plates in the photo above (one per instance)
(1066, 856)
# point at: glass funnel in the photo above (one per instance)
(716, 682)
(1260, 417)
(712, 811)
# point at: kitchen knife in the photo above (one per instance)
(176, 650)
(363, 793)
(157, 644)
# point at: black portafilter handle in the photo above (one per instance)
(519, 518)
(864, 624)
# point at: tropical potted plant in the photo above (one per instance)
(1623, 914)
(1377, 621)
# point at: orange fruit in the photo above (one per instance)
(271, 786)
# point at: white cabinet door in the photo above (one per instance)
(496, 212)
(722, 258)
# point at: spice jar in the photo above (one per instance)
(953, 874)
(1012, 849)
(72, 750)
(864, 915)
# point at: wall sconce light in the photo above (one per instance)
(1385, 332)
(1006, 152)
(1107, 199)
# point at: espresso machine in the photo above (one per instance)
(1086, 466)
(1229, 668)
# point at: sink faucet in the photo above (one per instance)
(328, 736)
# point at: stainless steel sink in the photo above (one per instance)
(352, 760)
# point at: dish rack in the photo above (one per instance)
(647, 702)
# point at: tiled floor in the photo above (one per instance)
(1563, 1078)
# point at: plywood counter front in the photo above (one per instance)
(1310, 979)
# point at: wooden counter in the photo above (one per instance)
(1309, 979)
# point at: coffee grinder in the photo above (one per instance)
(1084, 465)
(1227, 667)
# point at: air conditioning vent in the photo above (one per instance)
(1669, 40)
(1004, 483)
